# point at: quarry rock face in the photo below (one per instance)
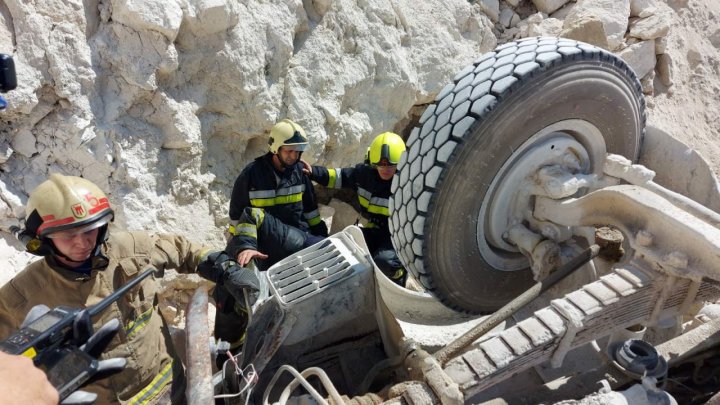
(162, 103)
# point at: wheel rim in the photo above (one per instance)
(576, 145)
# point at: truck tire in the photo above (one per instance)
(521, 96)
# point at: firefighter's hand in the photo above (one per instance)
(23, 383)
(306, 168)
(239, 280)
(244, 257)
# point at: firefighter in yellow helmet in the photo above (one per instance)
(67, 221)
(273, 213)
(371, 181)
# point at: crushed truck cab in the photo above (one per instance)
(527, 161)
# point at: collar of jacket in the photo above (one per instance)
(99, 262)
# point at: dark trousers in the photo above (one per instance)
(274, 238)
(384, 255)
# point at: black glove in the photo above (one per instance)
(319, 229)
(225, 272)
(212, 267)
(93, 344)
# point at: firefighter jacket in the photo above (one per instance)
(373, 193)
(143, 338)
(288, 196)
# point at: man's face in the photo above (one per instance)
(385, 169)
(288, 156)
(76, 245)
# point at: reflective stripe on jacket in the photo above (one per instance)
(288, 196)
(143, 339)
(373, 193)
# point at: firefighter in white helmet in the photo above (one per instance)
(273, 213)
(67, 223)
(371, 181)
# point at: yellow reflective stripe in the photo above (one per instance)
(398, 273)
(259, 216)
(373, 209)
(139, 322)
(288, 199)
(152, 389)
(232, 230)
(279, 200)
(262, 202)
(377, 209)
(234, 345)
(246, 230)
(335, 179)
(314, 221)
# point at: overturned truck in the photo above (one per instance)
(523, 171)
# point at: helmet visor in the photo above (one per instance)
(298, 147)
(71, 232)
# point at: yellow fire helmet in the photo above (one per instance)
(287, 134)
(64, 203)
(388, 146)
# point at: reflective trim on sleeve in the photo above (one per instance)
(259, 216)
(313, 217)
(335, 178)
(134, 326)
(156, 385)
(399, 273)
(246, 230)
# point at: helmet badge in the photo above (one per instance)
(79, 210)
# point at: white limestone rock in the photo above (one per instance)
(509, 18)
(177, 121)
(655, 23)
(586, 29)
(642, 8)
(5, 151)
(640, 57)
(549, 27)
(491, 8)
(163, 16)
(548, 6)
(664, 69)
(207, 17)
(612, 14)
(661, 45)
(23, 142)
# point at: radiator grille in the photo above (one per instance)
(310, 270)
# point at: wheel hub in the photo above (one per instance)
(573, 146)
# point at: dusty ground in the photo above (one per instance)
(690, 108)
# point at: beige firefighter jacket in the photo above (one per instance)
(144, 339)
